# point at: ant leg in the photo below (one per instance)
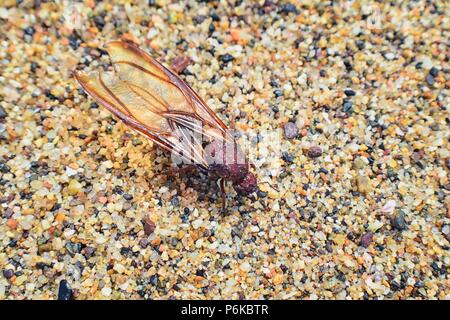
(232, 125)
(173, 171)
(221, 183)
(180, 63)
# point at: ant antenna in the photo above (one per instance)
(276, 189)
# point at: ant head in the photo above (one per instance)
(246, 186)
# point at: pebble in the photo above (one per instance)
(127, 196)
(29, 31)
(106, 291)
(288, 8)
(446, 229)
(398, 221)
(278, 279)
(363, 184)
(199, 19)
(154, 280)
(3, 113)
(245, 267)
(290, 130)
(347, 106)
(101, 239)
(74, 187)
(143, 243)
(8, 213)
(339, 239)
(12, 223)
(73, 248)
(88, 251)
(389, 207)
(8, 273)
(71, 172)
(278, 93)
(434, 72)
(149, 226)
(366, 239)
(197, 223)
(287, 157)
(65, 291)
(4, 168)
(389, 56)
(314, 152)
(430, 79)
(225, 58)
(99, 22)
(349, 92)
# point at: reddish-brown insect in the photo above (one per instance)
(157, 103)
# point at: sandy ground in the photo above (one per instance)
(353, 200)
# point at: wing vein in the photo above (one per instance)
(163, 103)
(113, 95)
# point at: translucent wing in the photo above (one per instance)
(154, 101)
